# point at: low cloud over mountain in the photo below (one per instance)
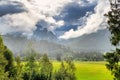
(70, 21)
(74, 17)
(93, 22)
(42, 33)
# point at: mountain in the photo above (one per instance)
(95, 42)
(43, 34)
(20, 44)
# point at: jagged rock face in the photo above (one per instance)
(43, 33)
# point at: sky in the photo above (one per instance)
(66, 18)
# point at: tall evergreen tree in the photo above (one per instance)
(6, 59)
(114, 27)
(30, 65)
(10, 59)
(66, 71)
(3, 61)
(18, 69)
(46, 68)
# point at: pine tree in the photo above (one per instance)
(6, 60)
(10, 59)
(30, 65)
(114, 27)
(66, 71)
(3, 61)
(61, 73)
(18, 69)
(46, 68)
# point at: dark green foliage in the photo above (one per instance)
(113, 63)
(61, 73)
(70, 67)
(66, 71)
(35, 67)
(58, 57)
(3, 63)
(9, 57)
(30, 66)
(46, 68)
(6, 61)
(88, 56)
(18, 71)
(114, 27)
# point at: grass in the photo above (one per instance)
(89, 70)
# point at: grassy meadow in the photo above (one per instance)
(89, 70)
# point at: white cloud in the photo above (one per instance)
(45, 10)
(37, 10)
(23, 22)
(84, 2)
(94, 22)
(53, 24)
(91, 1)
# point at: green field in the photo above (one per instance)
(90, 70)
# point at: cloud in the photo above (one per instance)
(23, 15)
(7, 7)
(93, 23)
(74, 11)
(74, 14)
(50, 23)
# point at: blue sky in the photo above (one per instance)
(67, 18)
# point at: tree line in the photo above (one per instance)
(82, 56)
(34, 66)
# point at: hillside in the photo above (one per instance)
(19, 44)
(94, 42)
